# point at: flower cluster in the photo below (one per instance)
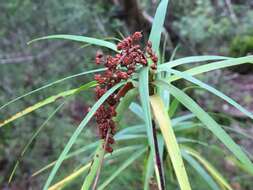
(120, 67)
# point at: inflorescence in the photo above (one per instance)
(119, 68)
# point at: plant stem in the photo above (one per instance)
(157, 155)
(101, 162)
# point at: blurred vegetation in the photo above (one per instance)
(200, 27)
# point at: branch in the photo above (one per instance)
(231, 11)
(29, 58)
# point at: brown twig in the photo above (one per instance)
(22, 58)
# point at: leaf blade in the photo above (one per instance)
(157, 26)
(77, 38)
(190, 59)
(76, 134)
(121, 168)
(46, 102)
(212, 90)
(222, 181)
(170, 141)
(208, 121)
(200, 170)
(51, 84)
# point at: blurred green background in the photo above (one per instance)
(220, 27)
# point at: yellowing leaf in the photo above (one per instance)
(46, 102)
(217, 176)
(164, 122)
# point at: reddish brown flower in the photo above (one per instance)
(119, 67)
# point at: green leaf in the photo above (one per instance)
(51, 84)
(144, 94)
(32, 139)
(169, 137)
(89, 40)
(202, 173)
(137, 110)
(212, 90)
(127, 163)
(182, 118)
(174, 52)
(96, 163)
(84, 149)
(77, 132)
(182, 140)
(190, 59)
(186, 125)
(70, 155)
(156, 32)
(175, 103)
(240, 165)
(208, 121)
(216, 175)
(213, 66)
(124, 104)
(149, 170)
(157, 25)
(47, 101)
(131, 130)
(62, 183)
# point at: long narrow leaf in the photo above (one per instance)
(61, 184)
(209, 122)
(200, 170)
(163, 120)
(47, 101)
(97, 160)
(144, 94)
(82, 150)
(36, 133)
(77, 132)
(51, 84)
(89, 40)
(128, 162)
(217, 176)
(136, 109)
(124, 104)
(213, 66)
(157, 25)
(191, 59)
(149, 170)
(212, 90)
